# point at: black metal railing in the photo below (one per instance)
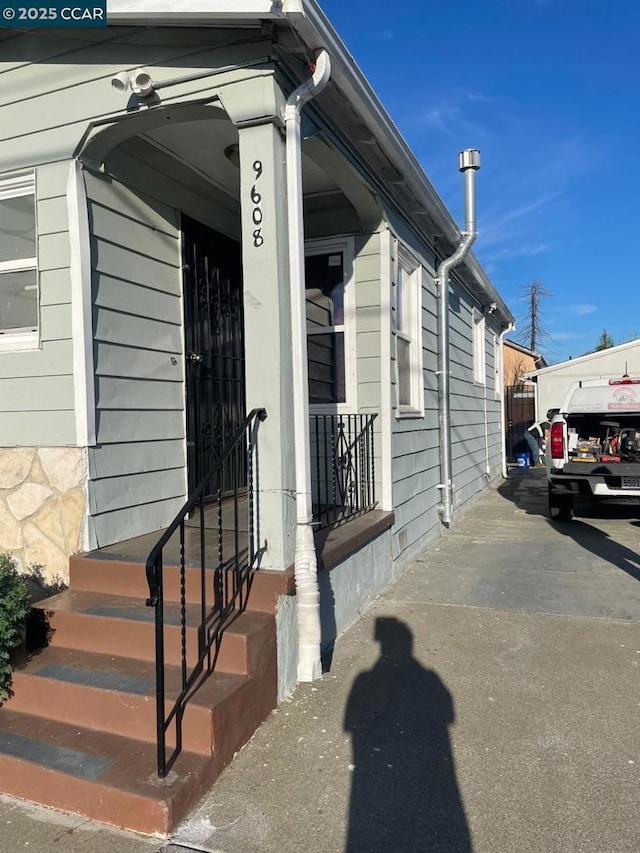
(342, 467)
(213, 543)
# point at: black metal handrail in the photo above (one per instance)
(220, 594)
(343, 467)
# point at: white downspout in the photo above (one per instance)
(306, 564)
(487, 465)
(503, 424)
(488, 311)
(469, 164)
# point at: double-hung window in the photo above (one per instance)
(18, 263)
(479, 352)
(326, 273)
(408, 329)
(497, 367)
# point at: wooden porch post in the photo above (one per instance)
(268, 328)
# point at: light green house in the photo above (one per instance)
(148, 287)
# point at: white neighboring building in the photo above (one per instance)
(552, 383)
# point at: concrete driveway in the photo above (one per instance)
(487, 702)
(508, 555)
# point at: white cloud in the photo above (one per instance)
(451, 115)
(520, 252)
(482, 99)
(566, 336)
(582, 309)
(498, 232)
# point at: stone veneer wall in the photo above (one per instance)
(42, 507)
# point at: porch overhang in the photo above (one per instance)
(101, 138)
(398, 174)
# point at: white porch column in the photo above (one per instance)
(267, 317)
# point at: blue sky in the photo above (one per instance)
(549, 90)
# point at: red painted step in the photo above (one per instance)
(79, 733)
(117, 695)
(115, 625)
(98, 775)
(110, 576)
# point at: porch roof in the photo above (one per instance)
(399, 173)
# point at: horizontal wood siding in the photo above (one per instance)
(415, 441)
(137, 469)
(52, 87)
(474, 448)
(36, 386)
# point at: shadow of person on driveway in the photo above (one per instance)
(601, 544)
(404, 794)
(530, 495)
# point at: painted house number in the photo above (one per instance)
(256, 213)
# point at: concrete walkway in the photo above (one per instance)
(488, 702)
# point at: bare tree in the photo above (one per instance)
(532, 332)
(515, 376)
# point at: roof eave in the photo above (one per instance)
(313, 26)
(590, 356)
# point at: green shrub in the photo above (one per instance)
(15, 603)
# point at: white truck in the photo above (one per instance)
(594, 444)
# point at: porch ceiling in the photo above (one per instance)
(201, 145)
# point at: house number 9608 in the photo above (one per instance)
(256, 213)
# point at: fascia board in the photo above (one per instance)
(169, 12)
(519, 348)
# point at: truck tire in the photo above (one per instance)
(560, 506)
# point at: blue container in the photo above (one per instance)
(522, 460)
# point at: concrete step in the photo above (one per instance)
(118, 695)
(96, 774)
(125, 627)
(104, 573)
(79, 732)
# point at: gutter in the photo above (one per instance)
(305, 559)
(503, 423)
(469, 164)
(308, 19)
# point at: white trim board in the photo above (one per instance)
(81, 322)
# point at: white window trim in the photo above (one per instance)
(347, 247)
(497, 367)
(13, 340)
(413, 290)
(478, 338)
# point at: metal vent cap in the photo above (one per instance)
(469, 159)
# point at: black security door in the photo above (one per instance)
(214, 348)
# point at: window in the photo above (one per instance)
(408, 328)
(497, 366)
(479, 369)
(18, 262)
(325, 299)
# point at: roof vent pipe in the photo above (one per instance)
(469, 165)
